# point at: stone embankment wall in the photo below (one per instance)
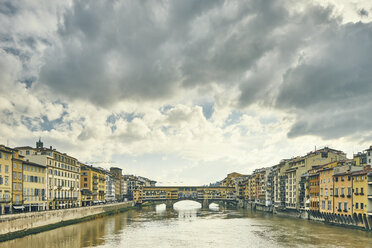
(14, 223)
(361, 222)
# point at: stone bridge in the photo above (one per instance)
(225, 196)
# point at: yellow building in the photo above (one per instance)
(92, 184)
(343, 204)
(34, 186)
(296, 167)
(5, 179)
(63, 175)
(360, 196)
(17, 181)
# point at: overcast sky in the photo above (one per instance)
(185, 92)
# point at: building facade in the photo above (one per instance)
(63, 175)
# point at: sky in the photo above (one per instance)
(185, 92)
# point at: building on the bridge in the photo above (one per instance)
(93, 186)
(63, 175)
(134, 182)
(6, 154)
(34, 186)
(169, 195)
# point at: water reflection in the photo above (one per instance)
(187, 225)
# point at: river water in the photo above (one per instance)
(189, 226)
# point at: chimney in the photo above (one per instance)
(51, 148)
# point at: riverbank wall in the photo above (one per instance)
(19, 225)
(363, 222)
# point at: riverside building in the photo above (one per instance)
(63, 175)
(34, 186)
(5, 179)
(93, 186)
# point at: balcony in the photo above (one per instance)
(4, 200)
(356, 193)
(336, 195)
(348, 196)
(339, 210)
(342, 195)
(345, 210)
(65, 199)
(361, 193)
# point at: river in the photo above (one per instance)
(189, 226)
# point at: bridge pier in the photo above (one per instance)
(169, 204)
(205, 204)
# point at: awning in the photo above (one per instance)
(18, 207)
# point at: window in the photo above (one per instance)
(1, 180)
(339, 205)
(331, 192)
(356, 205)
(6, 181)
(349, 191)
(19, 175)
(323, 204)
(20, 166)
(15, 166)
(0, 167)
(14, 175)
(345, 206)
(361, 205)
(14, 186)
(342, 191)
(19, 186)
(329, 205)
(361, 191)
(6, 156)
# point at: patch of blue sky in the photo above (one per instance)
(125, 116)
(47, 125)
(233, 118)
(208, 109)
(268, 120)
(165, 109)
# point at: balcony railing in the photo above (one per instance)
(342, 195)
(4, 200)
(348, 196)
(65, 199)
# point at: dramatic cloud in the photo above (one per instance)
(195, 89)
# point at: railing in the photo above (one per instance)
(65, 198)
(4, 200)
(348, 196)
(342, 195)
